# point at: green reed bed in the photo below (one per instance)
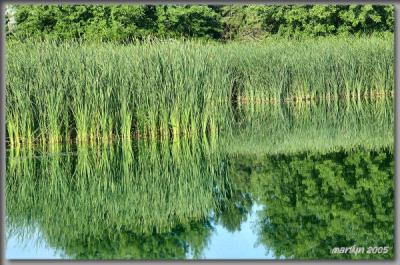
(96, 93)
(323, 127)
(328, 68)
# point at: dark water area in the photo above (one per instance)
(220, 197)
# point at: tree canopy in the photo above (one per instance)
(231, 22)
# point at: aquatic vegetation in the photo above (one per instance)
(325, 68)
(98, 93)
(94, 93)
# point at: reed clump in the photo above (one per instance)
(97, 93)
(327, 68)
(94, 93)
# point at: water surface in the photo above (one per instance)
(283, 182)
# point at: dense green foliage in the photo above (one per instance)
(256, 21)
(127, 22)
(91, 93)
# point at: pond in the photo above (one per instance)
(280, 181)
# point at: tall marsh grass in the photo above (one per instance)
(95, 93)
(327, 68)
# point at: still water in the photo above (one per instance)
(281, 183)
(240, 244)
